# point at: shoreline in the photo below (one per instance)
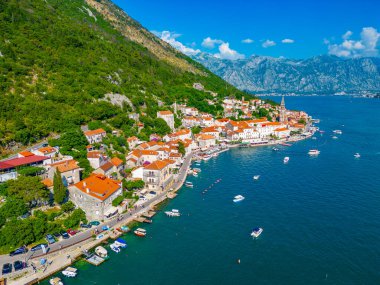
(59, 260)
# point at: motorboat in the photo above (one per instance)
(256, 177)
(339, 132)
(101, 251)
(114, 247)
(313, 138)
(314, 152)
(238, 198)
(55, 281)
(195, 174)
(286, 159)
(70, 272)
(285, 144)
(197, 170)
(120, 243)
(189, 184)
(357, 155)
(275, 149)
(334, 137)
(173, 213)
(206, 157)
(148, 221)
(256, 232)
(140, 232)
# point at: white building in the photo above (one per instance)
(168, 117)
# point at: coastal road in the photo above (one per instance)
(84, 235)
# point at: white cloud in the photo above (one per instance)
(287, 41)
(366, 46)
(247, 41)
(171, 38)
(210, 43)
(225, 52)
(268, 43)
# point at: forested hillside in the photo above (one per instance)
(58, 59)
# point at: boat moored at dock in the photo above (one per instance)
(140, 232)
(189, 184)
(173, 213)
(101, 251)
(56, 281)
(70, 272)
(114, 247)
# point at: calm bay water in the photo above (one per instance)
(321, 215)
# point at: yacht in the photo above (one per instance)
(189, 184)
(256, 177)
(120, 242)
(101, 251)
(256, 232)
(314, 152)
(173, 213)
(115, 248)
(140, 232)
(339, 132)
(56, 281)
(238, 198)
(286, 159)
(357, 155)
(70, 272)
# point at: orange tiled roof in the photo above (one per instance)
(94, 154)
(47, 149)
(98, 186)
(157, 165)
(281, 130)
(131, 139)
(116, 161)
(26, 153)
(94, 132)
(66, 165)
(47, 182)
(206, 137)
(165, 113)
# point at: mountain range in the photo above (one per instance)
(322, 74)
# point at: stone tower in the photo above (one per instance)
(282, 111)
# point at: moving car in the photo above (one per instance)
(20, 250)
(7, 268)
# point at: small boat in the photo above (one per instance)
(238, 198)
(275, 149)
(70, 272)
(256, 232)
(313, 138)
(320, 131)
(256, 177)
(286, 159)
(357, 155)
(189, 184)
(56, 281)
(197, 170)
(125, 229)
(285, 144)
(148, 221)
(114, 247)
(120, 243)
(334, 137)
(195, 174)
(314, 152)
(173, 213)
(101, 251)
(339, 132)
(140, 232)
(206, 157)
(214, 154)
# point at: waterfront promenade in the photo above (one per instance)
(63, 253)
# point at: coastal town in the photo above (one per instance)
(125, 188)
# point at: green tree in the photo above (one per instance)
(76, 217)
(60, 190)
(181, 148)
(196, 130)
(68, 207)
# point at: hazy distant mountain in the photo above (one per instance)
(321, 74)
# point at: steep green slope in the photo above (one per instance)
(58, 58)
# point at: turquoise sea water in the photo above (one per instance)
(321, 215)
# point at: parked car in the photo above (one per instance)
(65, 235)
(19, 265)
(71, 232)
(152, 193)
(86, 226)
(20, 250)
(57, 235)
(38, 246)
(50, 239)
(94, 223)
(7, 268)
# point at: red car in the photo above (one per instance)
(71, 232)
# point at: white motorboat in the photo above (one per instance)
(275, 149)
(313, 138)
(286, 159)
(173, 213)
(114, 247)
(189, 184)
(120, 243)
(70, 272)
(339, 132)
(101, 251)
(206, 157)
(140, 232)
(357, 155)
(256, 177)
(314, 152)
(334, 137)
(55, 281)
(238, 198)
(256, 232)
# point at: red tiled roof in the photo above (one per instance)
(12, 163)
(157, 165)
(94, 132)
(98, 186)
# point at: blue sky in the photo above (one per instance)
(289, 28)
